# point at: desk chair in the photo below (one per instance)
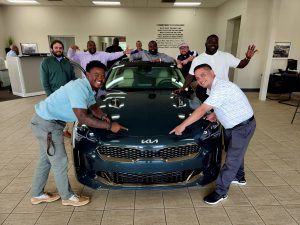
(296, 111)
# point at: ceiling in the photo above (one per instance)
(124, 3)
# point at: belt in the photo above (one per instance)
(244, 122)
(60, 122)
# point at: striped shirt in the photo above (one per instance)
(229, 103)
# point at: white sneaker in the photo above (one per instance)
(75, 200)
(46, 197)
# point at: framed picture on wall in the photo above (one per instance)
(281, 49)
(29, 48)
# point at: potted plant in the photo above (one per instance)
(10, 41)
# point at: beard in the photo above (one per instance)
(58, 54)
(153, 52)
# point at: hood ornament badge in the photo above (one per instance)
(115, 103)
(179, 102)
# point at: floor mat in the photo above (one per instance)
(6, 95)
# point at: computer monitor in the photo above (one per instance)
(29, 48)
(292, 64)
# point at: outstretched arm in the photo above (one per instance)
(249, 54)
(72, 53)
(98, 113)
(84, 118)
(196, 115)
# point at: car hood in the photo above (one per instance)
(146, 113)
(149, 117)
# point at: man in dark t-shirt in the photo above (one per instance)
(185, 58)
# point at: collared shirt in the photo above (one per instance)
(85, 57)
(11, 53)
(220, 62)
(59, 58)
(59, 105)
(229, 103)
(147, 56)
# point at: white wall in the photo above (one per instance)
(2, 30)
(288, 31)
(254, 22)
(36, 23)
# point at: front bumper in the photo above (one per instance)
(98, 171)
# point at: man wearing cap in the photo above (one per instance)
(185, 58)
(219, 61)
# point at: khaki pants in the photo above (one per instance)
(58, 162)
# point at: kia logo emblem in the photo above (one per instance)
(149, 141)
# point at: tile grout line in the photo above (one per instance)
(104, 207)
(193, 206)
(162, 195)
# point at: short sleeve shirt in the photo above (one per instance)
(220, 62)
(60, 104)
(186, 67)
(229, 103)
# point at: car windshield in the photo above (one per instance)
(143, 76)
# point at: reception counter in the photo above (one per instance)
(24, 75)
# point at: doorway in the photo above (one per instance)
(232, 38)
(102, 42)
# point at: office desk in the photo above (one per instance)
(284, 83)
(24, 75)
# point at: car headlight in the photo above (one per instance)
(211, 131)
(82, 131)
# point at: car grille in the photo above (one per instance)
(134, 153)
(148, 179)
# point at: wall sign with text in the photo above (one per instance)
(169, 35)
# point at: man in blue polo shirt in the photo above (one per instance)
(69, 103)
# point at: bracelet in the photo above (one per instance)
(108, 126)
(247, 58)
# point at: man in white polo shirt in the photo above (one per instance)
(218, 60)
(235, 113)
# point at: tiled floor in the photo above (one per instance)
(271, 196)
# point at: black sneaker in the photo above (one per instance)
(241, 181)
(214, 198)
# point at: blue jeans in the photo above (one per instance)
(58, 162)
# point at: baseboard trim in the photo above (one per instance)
(250, 89)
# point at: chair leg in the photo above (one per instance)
(296, 111)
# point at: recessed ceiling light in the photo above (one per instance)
(189, 4)
(106, 3)
(23, 1)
